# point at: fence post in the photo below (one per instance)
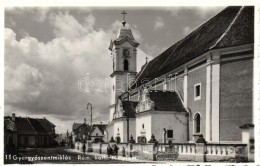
(248, 138)
(154, 142)
(100, 147)
(200, 149)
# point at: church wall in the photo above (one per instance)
(236, 97)
(121, 124)
(120, 84)
(170, 121)
(111, 112)
(145, 119)
(119, 129)
(109, 132)
(194, 106)
(132, 127)
(113, 99)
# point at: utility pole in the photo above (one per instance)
(127, 114)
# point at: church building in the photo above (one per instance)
(203, 84)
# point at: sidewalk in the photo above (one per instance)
(104, 156)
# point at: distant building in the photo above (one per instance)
(10, 135)
(28, 132)
(81, 131)
(97, 132)
(67, 137)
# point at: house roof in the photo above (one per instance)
(9, 125)
(101, 127)
(46, 124)
(32, 126)
(166, 101)
(38, 128)
(231, 27)
(129, 107)
(75, 126)
(24, 126)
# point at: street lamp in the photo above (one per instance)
(89, 104)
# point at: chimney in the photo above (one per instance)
(13, 117)
(85, 120)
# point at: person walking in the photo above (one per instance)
(123, 151)
(116, 151)
(84, 148)
(109, 149)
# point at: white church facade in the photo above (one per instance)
(202, 84)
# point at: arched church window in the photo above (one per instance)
(143, 126)
(197, 123)
(126, 65)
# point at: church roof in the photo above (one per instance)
(231, 27)
(129, 107)
(166, 101)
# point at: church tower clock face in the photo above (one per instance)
(126, 53)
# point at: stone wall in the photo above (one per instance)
(199, 152)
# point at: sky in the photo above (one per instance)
(50, 52)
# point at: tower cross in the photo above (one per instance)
(124, 13)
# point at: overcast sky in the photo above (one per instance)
(48, 50)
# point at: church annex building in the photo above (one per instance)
(203, 84)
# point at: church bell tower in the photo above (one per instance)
(123, 50)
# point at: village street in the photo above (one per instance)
(63, 153)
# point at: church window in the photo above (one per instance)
(126, 65)
(96, 134)
(169, 133)
(143, 126)
(197, 123)
(197, 91)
